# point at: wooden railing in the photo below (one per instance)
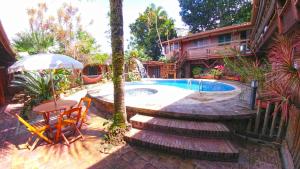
(270, 123)
(218, 50)
(173, 53)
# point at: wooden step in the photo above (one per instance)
(180, 127)
(200, 148)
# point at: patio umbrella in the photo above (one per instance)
(45, 61)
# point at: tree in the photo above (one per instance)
(33, 42)
(39, 38)
(201, 15)
(117, 44)
(151, 28)
(61, 34)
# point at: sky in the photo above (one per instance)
(14, 17)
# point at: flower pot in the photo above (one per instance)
(207, 77)
(197, 76)
(217, 77)
(235, 78)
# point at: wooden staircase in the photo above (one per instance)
(202, 140)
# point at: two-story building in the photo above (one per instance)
(207, 49)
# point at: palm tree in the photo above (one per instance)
(157, 13)
(117, 44)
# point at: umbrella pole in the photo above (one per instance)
(53, 91)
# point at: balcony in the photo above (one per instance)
(173, 53)
(218, 50)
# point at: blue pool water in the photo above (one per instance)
(196, 85)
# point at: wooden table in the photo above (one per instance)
(46, 108)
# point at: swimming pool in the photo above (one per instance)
(189, 84)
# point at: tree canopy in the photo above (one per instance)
(201, 15)
(151, 28)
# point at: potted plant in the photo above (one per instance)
(216, 73)
(196, 72)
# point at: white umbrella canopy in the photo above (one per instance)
(45, 61)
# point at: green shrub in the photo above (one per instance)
(248, 69)
(197, 71)
(62, 80)
(37, 88)
(215, 72)
(133, 77)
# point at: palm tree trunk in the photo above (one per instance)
(117, 44)
(158, 34)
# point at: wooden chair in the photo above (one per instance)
(85, 109)
(67, 124)
(37, 129)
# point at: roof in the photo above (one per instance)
(7, 55)
(243, 26)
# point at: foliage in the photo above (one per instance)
(62, 80)
(33, 42)
(220, 68)
(39, 38)
(167, 60)
(215, 72)
(86, 50)
(248, 69)
(284, 78)
(201, 15)
(61, 34)
(136, 53)
(36, 86)
(196, 71)
(133, 77)
(151, 28)
(72, 39)
(98, 58)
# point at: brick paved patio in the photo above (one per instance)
(89, 152)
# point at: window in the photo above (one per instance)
(224, 39)
(166, 49)
(200, 43)
(243, 35)
(176, 46)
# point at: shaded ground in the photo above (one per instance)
(87, 153)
